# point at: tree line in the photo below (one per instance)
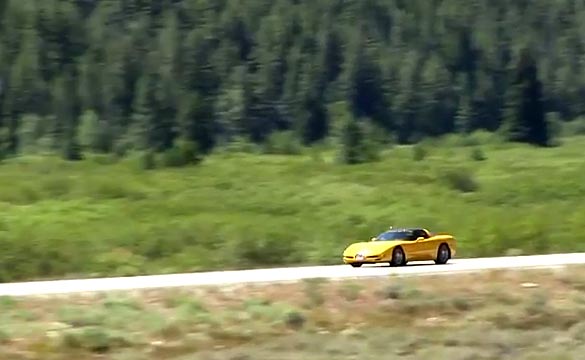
(119, 75)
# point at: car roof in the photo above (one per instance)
(405, 229)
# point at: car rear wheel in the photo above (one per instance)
(443, 254)
(356, 265)
(398, 258)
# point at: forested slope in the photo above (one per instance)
(83, 75)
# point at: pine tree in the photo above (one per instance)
(353, 141)
(464, 116)
(196, 122)
(142, 115)
(525, 119)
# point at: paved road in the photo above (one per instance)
(285, 275)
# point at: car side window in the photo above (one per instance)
(420, 233)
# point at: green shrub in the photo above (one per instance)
(4, 336)
(351, 291)
(119, 262)
(295, 319)
(7, 303)
(477, 154)
(314, 292)
(574, 127)
(104, 159)
(79, 317)
(174, 157)
(419, 152)
(147, 160)
(94, 338)
(283, 143)
(461, 179)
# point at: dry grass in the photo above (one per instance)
(534, 314)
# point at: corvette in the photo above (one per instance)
(399, 246)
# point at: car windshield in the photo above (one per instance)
(393, 235)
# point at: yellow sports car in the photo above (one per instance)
(399, 246)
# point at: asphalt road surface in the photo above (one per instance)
(335, 272)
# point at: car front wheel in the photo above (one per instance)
(398, 258)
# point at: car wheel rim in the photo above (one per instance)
(444, 253)
(399, 256)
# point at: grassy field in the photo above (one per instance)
(241, 209)
(532, 315)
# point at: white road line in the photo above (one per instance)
(335, 272)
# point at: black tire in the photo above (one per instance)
(398, 257)
(443, 254)
(356, 265)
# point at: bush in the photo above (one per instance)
(283, 143)
(72, 151)
(122, 148)
(4, 336)
(477, 154)
(461, 179)
(173, 157)
(183, 153)
(120, 262)
(419, 152)
(295, 319)
(240, 145)
(574, 127)
(93, 338)
(147, 160)
(268, 250)
(357, 145)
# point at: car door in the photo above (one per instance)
(425, 248)
(413, 248)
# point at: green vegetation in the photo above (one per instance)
(110, 216)
(206, 85)
(535, 315)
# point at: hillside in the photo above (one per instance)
(109, 216)
(113, 76)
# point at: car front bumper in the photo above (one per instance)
(370, 259)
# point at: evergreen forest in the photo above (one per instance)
(112, 76)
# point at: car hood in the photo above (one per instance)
(370, 247)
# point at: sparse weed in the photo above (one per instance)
(462, 303)
(78, 316)
(350, 291)
(295, 319)
(4, 336)
(94, 339)
(398, 290)
(314, 292)
(7, 303)
(403, 312)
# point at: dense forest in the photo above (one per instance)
(117, 75)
